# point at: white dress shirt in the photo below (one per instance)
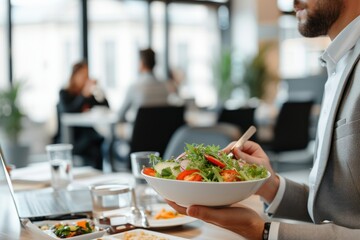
(335, 58)
(147, 91)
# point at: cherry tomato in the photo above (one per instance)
(149, 171)
(229, 175)
(215, 161)
(190, 175)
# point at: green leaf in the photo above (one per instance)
(10, 114)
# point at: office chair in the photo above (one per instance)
(243, 118)
(291, 130)
(220, 135)
(154, 126)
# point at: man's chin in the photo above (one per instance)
(309, 33)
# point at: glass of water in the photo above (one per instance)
(145, 195)
(139, 160)
(60, 159)
(110, 198)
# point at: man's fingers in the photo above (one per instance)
(179, 209)
(228, 147)
(221, 217)
(244, 156)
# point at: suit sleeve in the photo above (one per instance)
(294, 206)
(305, 231)
(295, 198)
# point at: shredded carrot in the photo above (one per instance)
(82, 224)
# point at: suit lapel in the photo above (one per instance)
(328, 136)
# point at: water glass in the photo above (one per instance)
(139, 160)
(60, 159)
(145, 195)
(109, 198)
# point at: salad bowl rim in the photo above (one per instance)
(201, 182)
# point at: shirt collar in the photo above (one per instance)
(343, 42)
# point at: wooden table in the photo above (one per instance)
(10, 228)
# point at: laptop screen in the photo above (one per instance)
(9, 217)
(41, 204)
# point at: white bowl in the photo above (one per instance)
(187, 193)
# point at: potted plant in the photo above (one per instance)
(223, 76)
(256, 73)
(11, 126)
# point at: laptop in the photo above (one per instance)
(45, 204)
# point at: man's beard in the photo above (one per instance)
(321, 18)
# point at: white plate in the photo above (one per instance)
(34, 227)
(160, 223)
(138, 232)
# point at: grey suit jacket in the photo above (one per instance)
(336, 195)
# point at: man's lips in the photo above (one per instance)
(299, 6)
(300, 13)
(300, 9)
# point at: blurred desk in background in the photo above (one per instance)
(102, 120)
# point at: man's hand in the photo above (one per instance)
(251, 152)
(241, 220)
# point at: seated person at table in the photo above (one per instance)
(330, 205)
(81, 95)
(147, 91)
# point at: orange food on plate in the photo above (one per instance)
(165, 214)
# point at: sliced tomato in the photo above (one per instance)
(214, 161)
(229, 175)
(149, 171)
(190, 175)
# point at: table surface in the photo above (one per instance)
(38, 176)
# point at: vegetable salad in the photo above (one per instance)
(204, 164)
(68, 230)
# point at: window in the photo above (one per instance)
(117, 30)
(194, 49)
(4, 78)
(45, 45)
(157, 10)
(299, 56)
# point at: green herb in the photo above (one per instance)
(167, 173)
(195, 155)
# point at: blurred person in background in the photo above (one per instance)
(330, 205)
(80, 95)
(147, 90)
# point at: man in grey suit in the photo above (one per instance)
(147, 91)
(331, 202)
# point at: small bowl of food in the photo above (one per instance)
(81, 229)
(204, 175)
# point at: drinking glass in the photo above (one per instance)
(60, 159)
(145, 195)
(139, 160)
(109, 198)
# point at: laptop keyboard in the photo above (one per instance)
(45, 203)
(40, 204)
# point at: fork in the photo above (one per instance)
(137, 213)
(246, 136)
